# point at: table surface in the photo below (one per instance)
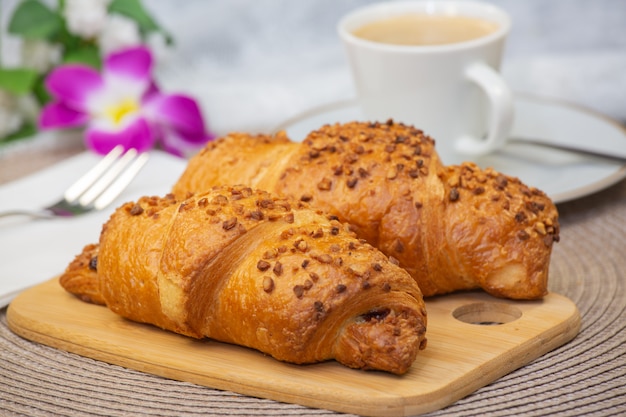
(252, 86)
(585, 377)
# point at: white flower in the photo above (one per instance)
(118, 32)
(40, 55)
(86, 18)
(10, 117)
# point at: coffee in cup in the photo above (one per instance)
(425, 29)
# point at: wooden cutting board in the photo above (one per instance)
(473, 339)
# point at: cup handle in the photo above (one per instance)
(501, 111)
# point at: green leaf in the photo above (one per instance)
(33, 20)
(134, 10)
(17, 81)
(84, 54)
(41, 92)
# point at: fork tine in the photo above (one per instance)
(107, 178)
(96, 189)
(84, 182)
(121, 182)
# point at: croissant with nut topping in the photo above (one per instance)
(451, 227)
(245, 267)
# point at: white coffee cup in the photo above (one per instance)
(452, 91)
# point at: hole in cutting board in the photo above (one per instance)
(487, 314)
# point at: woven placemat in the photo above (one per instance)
(586, 377)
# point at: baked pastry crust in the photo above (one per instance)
(245, 267)
(451, 227)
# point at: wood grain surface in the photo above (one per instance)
(473, 339)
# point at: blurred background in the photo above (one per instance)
(254, 63)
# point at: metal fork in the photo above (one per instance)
(96, 189)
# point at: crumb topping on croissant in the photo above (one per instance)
(243, 266)
(451, 227)
(532, 210)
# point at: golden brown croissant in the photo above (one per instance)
(244, 267)
(452, 228)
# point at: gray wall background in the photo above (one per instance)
(255, 63)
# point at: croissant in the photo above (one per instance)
(451, 227)
(245, 267)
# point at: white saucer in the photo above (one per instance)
(561, 174)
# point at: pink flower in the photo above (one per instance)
(123, 106)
